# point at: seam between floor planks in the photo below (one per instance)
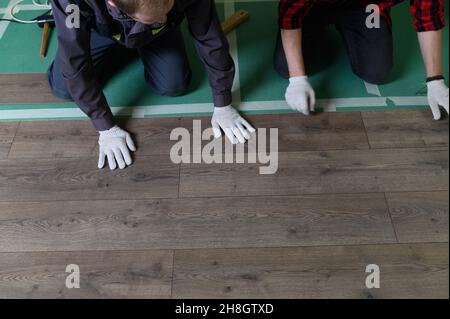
(137, 156)
(365, 130)
(223, 248)
(218, 197)
(390, 217)
(223, 196)
(94, 156)
(13, 139)
(372, 150)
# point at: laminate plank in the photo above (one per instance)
(152, 135)
(74, 139)
(143, 274)
(79, 179)
(26, 88)
(55, 139)
(406, 271)
(408, 128)
(350, 171)
(195, 223)
(4, 150)
(7, 131)
(324, 131)
(50, 139)
(420, 217)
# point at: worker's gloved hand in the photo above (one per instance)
(300, 96)
(236, 128)
(437, 96)
(115, 144)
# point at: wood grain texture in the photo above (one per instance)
(324, 131)
(195, 223)
(143, 274)
(409, 128)
(55, 139)
(26, 88)
(50, 139)
(4, 150)
(407, 271)
(323, 172)
(79, 179)
(152, 135)
(420, 217)
(74, 139)
(309, 231)
(7, 133)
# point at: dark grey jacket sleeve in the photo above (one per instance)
(213, 48)
(77, 69)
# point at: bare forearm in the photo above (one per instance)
(292, 43)
(431, 47)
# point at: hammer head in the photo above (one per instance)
(46, 18)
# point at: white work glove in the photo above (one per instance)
(437, 96)
(236, 128)
(300, 96)
(115, 144)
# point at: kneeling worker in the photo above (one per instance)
(370, 49)
(152, 27)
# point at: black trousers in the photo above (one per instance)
(166, 66)
(370, 50)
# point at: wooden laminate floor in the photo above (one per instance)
(352, 189)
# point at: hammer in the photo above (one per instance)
(234, 21)
(46, 22)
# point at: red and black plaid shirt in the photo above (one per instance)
(428, 14)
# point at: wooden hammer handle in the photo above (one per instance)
(45, 36)
(234, 21)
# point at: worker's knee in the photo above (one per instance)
(61, 94)
(374, 74)
(174, 89)
(175, 85)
